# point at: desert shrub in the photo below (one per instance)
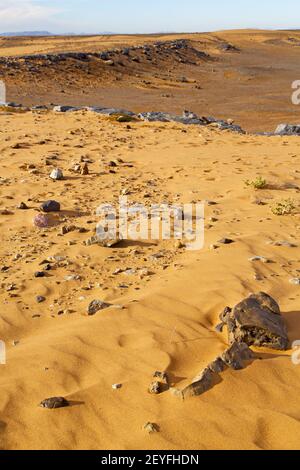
(284, 207)
(258, 183)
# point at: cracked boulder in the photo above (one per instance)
(256, 321)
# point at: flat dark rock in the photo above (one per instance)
(54, 402)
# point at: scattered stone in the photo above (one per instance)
(97, 305)
(57, 175)
(295, 282)
(116, 386)
(144, 272)
(39, 274)
(104, 243)
(163, 376)
(84, 170)
(40, 299)
(72, 277)
(226, 241)
(22, 206)
(65, 109)
(130, 272)
(283, 243)
(211, 203)
(150, 428)
(117, 271)
(54, 402)
(6, 212)
(256, 321)
(67, 229)
(155, 388)
(259, 258)
(50, 206)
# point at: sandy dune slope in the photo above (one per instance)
(170, 303)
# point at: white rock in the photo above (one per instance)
(116, 386)
(56, 174)
(295, 281)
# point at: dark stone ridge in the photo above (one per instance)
(189, 118)
(256, 321)
(176, 46)
(123, 115)
(54, 402)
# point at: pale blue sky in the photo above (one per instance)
(145, 16)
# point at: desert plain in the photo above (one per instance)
(165, 301)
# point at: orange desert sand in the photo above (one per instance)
(166, 300)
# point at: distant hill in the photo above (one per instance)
(27, 33)
(47, 33)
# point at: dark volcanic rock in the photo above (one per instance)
(39, 274)
(50, 206)
(54, 402)
(97, 305)
(257, 321)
